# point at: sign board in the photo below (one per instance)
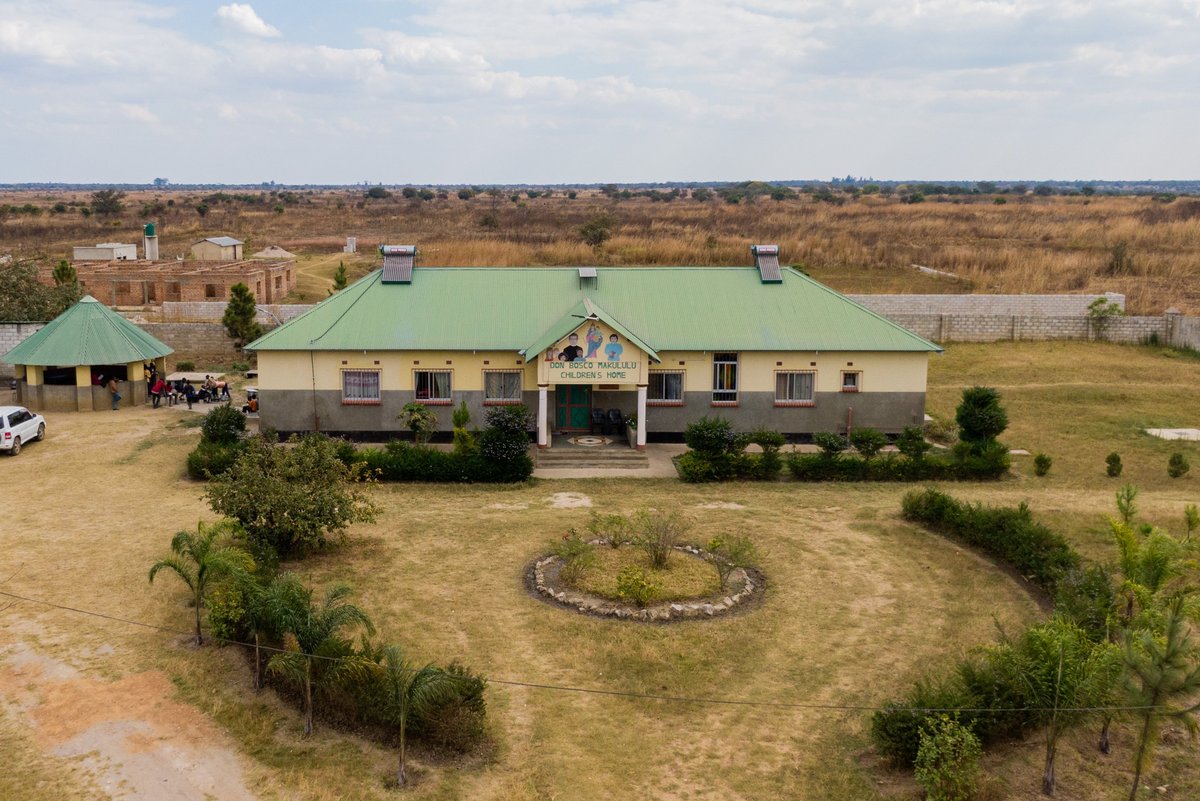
(592, 354)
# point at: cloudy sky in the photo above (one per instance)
(547, 91)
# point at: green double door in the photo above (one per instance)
(572, 407)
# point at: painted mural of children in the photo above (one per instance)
(572, 352)
(613, 350)
(594, 340)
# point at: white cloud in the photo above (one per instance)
(242, 18)
(139, 113)
(227, 112)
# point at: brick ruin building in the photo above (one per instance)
(151, 283)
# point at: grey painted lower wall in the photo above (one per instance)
(69, 398)
(292, 410)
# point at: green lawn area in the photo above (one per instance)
(858, 605)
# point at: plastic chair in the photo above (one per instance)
(598, 421)
(616, 421)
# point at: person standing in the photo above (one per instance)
(112, 390)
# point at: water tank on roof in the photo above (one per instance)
(149, 230)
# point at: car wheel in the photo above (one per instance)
(16, 446)
(41, 434)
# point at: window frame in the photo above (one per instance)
(376, 401)
(446, 401)
(503, 401)
(652, 401)
(796, 403)
(736, 363)
(857, 387)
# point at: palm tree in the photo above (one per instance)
(315, 653)
(271, 609)
(407, 690)
(1063, 673)
(202, 557)
(1161, 669)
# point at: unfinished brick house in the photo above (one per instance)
(150, 283)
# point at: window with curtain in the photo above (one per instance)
(794, 388)
(725, 379)
(501, 386)
(432, 386)
(665, 388)
(360, 387)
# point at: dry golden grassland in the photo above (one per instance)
(1029, 244)
(859, 605)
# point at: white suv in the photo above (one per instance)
(19, 425)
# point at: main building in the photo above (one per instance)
(761, 345)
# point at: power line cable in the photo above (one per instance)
(689, 699)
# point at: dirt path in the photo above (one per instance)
(137, 742)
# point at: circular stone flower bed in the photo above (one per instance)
(594, 593)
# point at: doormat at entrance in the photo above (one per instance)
(589, 442)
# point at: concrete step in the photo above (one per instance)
(600, 458)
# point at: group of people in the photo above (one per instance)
(172, 391)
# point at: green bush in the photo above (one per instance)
(867, 441)
(1041, 464)
(912, 444)
(227, 613)
(1113, 465)
(896, 729)
(455, 722)
(1087, 597)
(831, 444)
(767, 465)
(818, 467)
(502, 455)
(657, 533)
(185, 366)
(947, 764)
(710, 436)
(635, 585)
(1010, 534)
(980, 416)
(694, 468)
(506, 438)
(211, 459)
(577, 555)
(223, 425)
(1177, 465)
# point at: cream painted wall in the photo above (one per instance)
(880, 371)
(293, 369)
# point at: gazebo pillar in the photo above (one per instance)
(83, 388)
(137, 383)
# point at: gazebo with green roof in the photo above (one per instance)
(59, 368)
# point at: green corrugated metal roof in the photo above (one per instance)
(513, 308)
(87, 333)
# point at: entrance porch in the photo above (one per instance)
(592, 409)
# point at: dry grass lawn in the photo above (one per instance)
(858, 606)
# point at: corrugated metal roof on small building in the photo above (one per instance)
(223, 241)
(87, 333)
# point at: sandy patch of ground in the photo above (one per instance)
(507, 507)
(569, 500)
(1175, 433)
(140, 744)
(720, 505)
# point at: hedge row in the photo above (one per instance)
(1010, 534)
(401, 461)
(987, 466)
